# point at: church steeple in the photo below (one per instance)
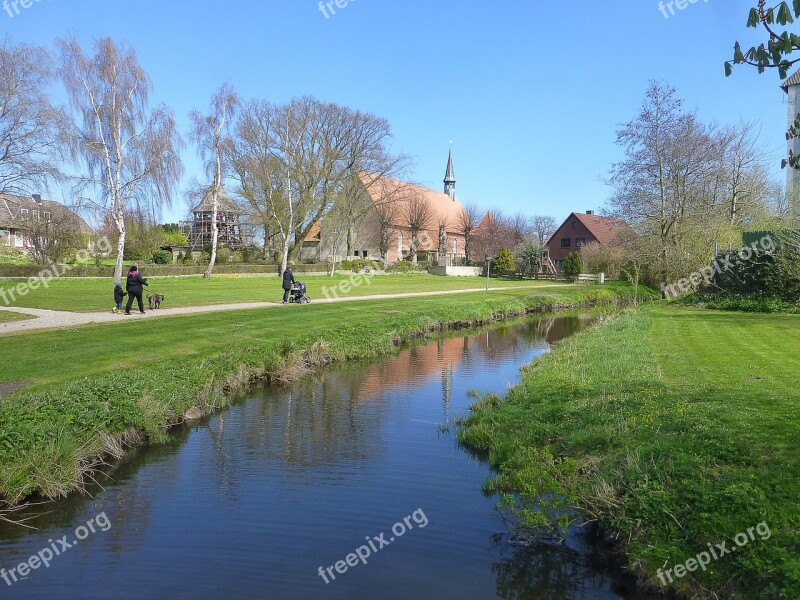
(450, 177)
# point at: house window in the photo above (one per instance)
(455, 247)
(364, 254)
(580, 242)
(565, 242)
(574, 224)
(24, 212)
(47, 215)
(18, 236)
(400, 244)
(4, 237)
(36, 215)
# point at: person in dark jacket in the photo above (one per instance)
(118, 296)
(288, 282)
(134, 286)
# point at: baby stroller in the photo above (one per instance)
(298, 294)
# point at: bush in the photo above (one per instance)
(363, 264)
(759, 274)
(345, 265)
(504, 263)
(162, 257)
(573, 265)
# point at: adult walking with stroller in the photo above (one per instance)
(288, 282)
(134, 287)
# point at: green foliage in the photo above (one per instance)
(776, 53)
(162, 257)
(529, 257)
(504, 264)
(174, 239)
(573, 265)
(345, 265)
(759, 274)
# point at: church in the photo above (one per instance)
(390, 213)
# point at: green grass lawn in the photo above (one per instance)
(677, 428)
(7, 316)
(87, 295)
(53, 356)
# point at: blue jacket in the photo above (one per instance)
(288, 279)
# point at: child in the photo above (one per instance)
(118, 296)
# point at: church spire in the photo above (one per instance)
(450, 176)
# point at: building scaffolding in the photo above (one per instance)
(231, 223)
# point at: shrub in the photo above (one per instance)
(573, 265)
(504, 263)
(162, 257)
(346, 265)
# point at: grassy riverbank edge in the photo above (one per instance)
(672, 429)
(55, 437)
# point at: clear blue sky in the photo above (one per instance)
(530, 92)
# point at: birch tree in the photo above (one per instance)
(127, 152)
(211, 134)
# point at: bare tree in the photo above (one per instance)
(419, 217)
(210, 133)
(543, 227)
(29, 124)
(387, 213)
(671, 160)
(295, 161)
(467, 222)
(129, 153)
(518, 227)
(53, 232)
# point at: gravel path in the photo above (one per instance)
(57, 319)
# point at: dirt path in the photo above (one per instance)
(56, 319)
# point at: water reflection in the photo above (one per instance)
(251, 502)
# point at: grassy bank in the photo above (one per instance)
(676, 428)
(98, 388)
(87, 295)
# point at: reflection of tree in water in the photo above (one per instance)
(318, 421)
(544, 570)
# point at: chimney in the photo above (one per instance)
(589, 212)
(37, 198)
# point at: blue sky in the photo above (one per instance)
(531, 93)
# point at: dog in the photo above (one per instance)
(155, 300)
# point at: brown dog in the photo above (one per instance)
(155, 300)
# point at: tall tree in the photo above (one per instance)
(294, 161)
(211, 134)
(29, 124)
(467, 222)
(542, 227)
(670, 158)
(128, 152)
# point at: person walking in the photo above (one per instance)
(118, 296)
(288, 282)
(134, 287)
